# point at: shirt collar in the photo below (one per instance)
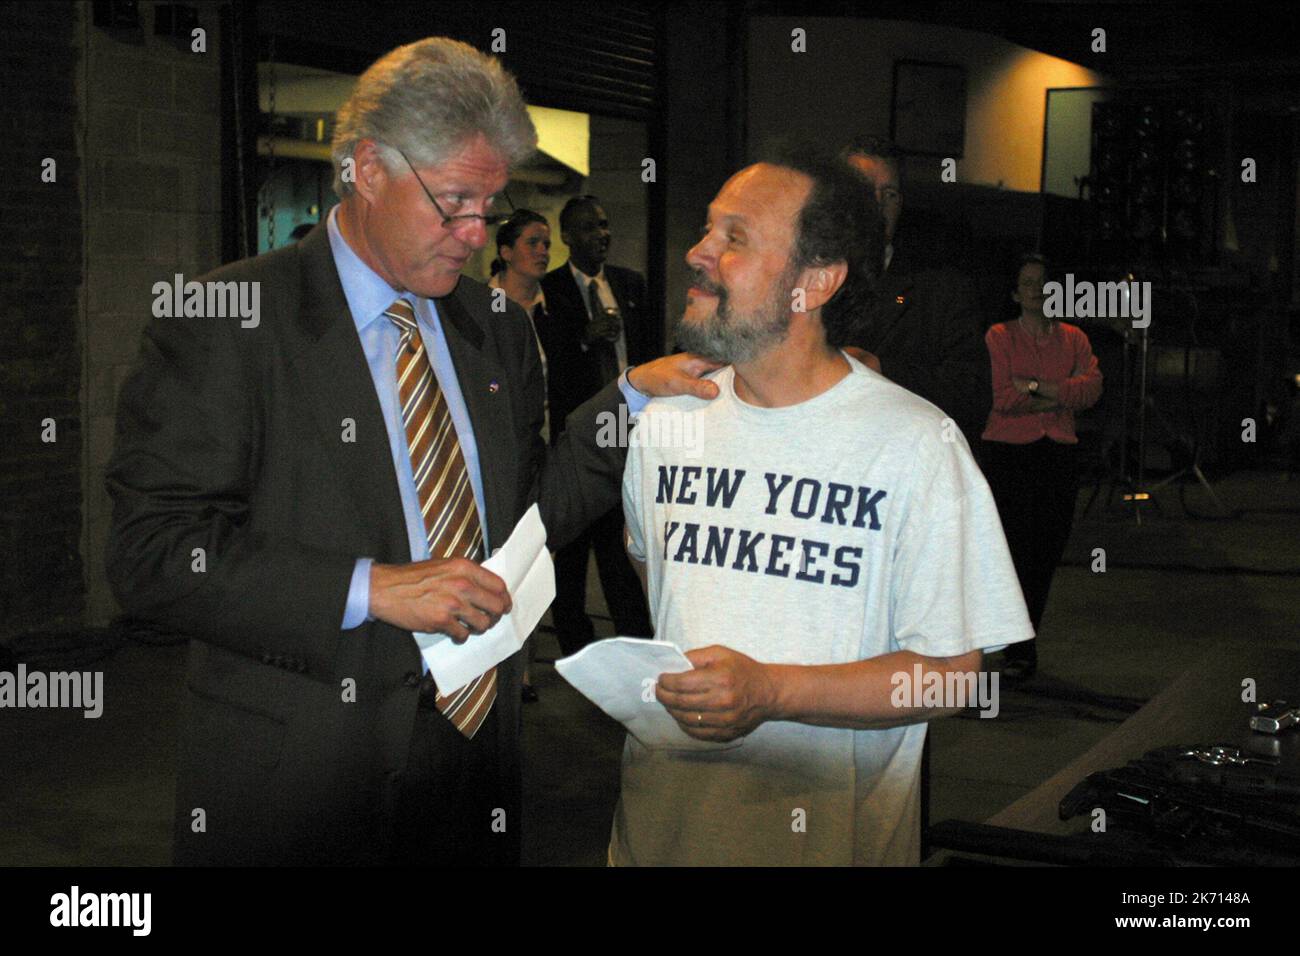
(1052, 326)
(367, 293)
(583, 279)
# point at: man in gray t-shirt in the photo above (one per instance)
(823, 548)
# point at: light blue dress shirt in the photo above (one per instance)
(368, 296)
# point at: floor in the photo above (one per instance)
(99, 792)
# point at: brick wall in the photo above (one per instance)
(41, 575)
(133, 123)
(153, 200)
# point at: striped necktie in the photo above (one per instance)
(444, 492)
(606, 356)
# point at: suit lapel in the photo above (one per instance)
(636, 324)
(336, 380)
(574, 311)
(615, 280)
(895, 301)
(477, 372)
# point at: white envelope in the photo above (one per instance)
(526, 567)
(618, 674)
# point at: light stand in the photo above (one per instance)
(1136, 493)
(1193, 468)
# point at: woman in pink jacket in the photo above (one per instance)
(1043, 372)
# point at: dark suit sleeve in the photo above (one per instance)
(652, 320)
(182, 480)
(576, 480)
(573, 374)
(952, 370)
(645, 325)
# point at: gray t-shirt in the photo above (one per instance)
(848, 526)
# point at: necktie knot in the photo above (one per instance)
(402, 315)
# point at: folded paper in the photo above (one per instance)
(526, 567)
(618, 676)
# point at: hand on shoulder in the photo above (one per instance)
(679, 374)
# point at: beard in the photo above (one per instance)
(732, 338)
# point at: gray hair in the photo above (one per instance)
(426, 99)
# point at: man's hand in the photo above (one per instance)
(1048, 390)
(454, 596)
(604, 328)
(866, 358)
(725, 697)
(675, 375)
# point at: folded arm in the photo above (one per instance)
(1009, 398)
(1083, 388)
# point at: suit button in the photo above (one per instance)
(411, 679)
(266, 659)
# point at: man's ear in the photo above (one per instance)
(821, 282)
(372, 174)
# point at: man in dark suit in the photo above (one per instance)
(600, 323)
(310, 493)
(925, 333)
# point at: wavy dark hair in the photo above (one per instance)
(840, 221)
(508, 233)
(1035, 258)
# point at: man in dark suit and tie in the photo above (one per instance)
(600, 323)
(925, 333)
(308, 496)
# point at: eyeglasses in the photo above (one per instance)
(451, 222)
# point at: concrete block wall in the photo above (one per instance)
(41, 426)
(132, 122)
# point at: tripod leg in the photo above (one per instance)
(1200, 476)
(1096, 489)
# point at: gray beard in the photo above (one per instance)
(724, 339)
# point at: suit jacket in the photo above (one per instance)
(926, 331)
(232, 440)
(573, 375)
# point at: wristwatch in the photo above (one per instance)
(1033, 386)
